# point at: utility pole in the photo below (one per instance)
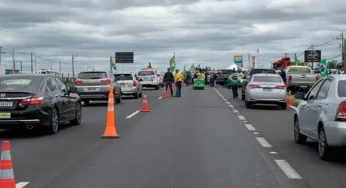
(249, 59)
(295, 59)
(286, 54)
(13, 62)
(35, 63)
(110, 64)
(343, 49)
(51, 66)
(60, 67)
(32, 66)
(72, 66)
(1, 52)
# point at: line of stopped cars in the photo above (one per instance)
(44, 102)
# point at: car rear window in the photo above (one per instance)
(146, 73)
(267, 79)
(123, 76)
(298, 70)
(92, 75)
(342, 88)
(11, 84)
(258, 71)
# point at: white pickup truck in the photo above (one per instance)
(300, 78)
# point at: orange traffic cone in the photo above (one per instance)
(145, 107)
(164, 93)
(110, 131)
(6, 169)
(289, 99)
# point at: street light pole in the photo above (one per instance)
(1, 52)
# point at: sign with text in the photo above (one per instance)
(124, 57)
(253, 61)
(238, 60)
(312, 56)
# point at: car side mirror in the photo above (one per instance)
(72, 89)
(300, 95)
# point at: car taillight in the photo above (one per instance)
(317, 78)
(154, 76)
(280, 87)
(341, 112)
(252, 86)
(134, 83)
(106, 81)
(31, 101)
(290, 79)
(77, 82)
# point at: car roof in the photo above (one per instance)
(28, 75)
(92, 71)
(266, 74)
(124, 73)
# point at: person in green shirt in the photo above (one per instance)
(234, 83)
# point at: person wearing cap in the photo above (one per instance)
(178, 78)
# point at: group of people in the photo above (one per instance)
(170, 79)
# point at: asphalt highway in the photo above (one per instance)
(203, 139)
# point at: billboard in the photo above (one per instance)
(124, 57)
(253, 61)
(312, 56)
(238, 60)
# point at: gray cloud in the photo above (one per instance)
(206, 32)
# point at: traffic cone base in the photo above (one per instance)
(164, 93)
(289, 99)
(145, 107)
(6, 169)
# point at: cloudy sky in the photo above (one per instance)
(206, 32)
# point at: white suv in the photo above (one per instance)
(149, 78)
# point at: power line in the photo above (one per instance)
(318, 45)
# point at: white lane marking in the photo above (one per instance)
(255, 133)
(224, 99)
(235, 111)
(245, 121)
(288, 169)
(21, 184)
(241, 117)
(295, 108)
(274, 152)
(250, 127)
(264, 143)
(160, 97)
(133, 114)
(228, 103)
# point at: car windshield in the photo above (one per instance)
(298, 70)
(258, 71)
(267, 79)
(92, 75)
(20, 84)
(146, 73)
(123, 76)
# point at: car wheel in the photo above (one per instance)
(54, 122)
(323, 148)
(248, 104)
(283, 106)
(78, 118)
(86, 102)
(140, 95)
(298, 137)
(157, 87)
(136, 95)
(243, 97)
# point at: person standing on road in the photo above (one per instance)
(214, 79)
(178, 78)
(283, 75)
(234, 83)
(168, 78)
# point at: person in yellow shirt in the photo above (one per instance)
(178, 78)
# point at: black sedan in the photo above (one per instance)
(37, 101)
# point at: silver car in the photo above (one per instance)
(321, 114)
(129, 83)
(149, 78)
(94, 85)
(266, 89)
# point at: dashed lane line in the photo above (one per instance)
(241, 117)
(264, 143)
(160, 97)
(21, 184)
(255, 133)
(133, 114)
(288, 169)
(235, 111)
(293, 107)
(228, 103)
(250, 127)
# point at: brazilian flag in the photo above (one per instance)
(323, 68)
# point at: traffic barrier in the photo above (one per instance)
(289, 99)
(145, 106)
(110, 130)
(164, 93)
(6, 169)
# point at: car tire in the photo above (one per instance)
(242, 97)
(86, 102)
(323, 148)
(141, 94)
(157, 87)
(78, 119)
(248, 104)
(53, 127)
(283, 106)
(136, 95)
(299, 138)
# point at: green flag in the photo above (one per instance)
(323, 68)
(192, 68)
(172, 63)
(184, 70)
(114, 65)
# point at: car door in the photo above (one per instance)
(318, 108)
(305, 113)
(70, 107)
(60, 100)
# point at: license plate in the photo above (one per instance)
(124, 85)
(6, 104)
(93, 89)
(5, 115)
(267, 90)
